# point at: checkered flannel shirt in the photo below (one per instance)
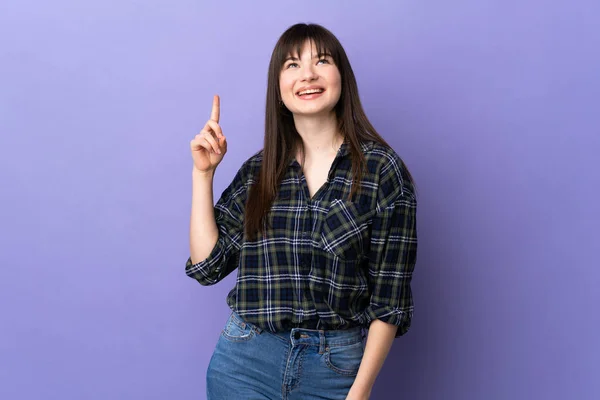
(324, 262)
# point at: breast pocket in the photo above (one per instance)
(346, 227)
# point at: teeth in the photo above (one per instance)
(310, 91)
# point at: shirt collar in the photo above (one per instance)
(344, 149)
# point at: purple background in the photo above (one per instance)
(494, 105)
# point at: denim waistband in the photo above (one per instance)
(316, 337)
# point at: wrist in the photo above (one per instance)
(355, 394)
(360, 391)
(203, 174)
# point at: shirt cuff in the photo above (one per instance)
(390, 315)
(207, 271)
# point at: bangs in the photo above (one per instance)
(293, 40)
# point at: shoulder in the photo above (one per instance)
(387, 168)
(243, 178)
(255, 159)
(250, 168)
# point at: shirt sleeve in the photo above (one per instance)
(391, 262)
(229, 217)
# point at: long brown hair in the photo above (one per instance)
(282, 140)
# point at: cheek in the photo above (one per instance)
(335, 81)
(285, 85)
(338, 83)
(337, 91)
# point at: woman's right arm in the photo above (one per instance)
(203, 228)
(208, 149)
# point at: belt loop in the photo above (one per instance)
(321, 342)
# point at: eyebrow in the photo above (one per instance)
(292, 58)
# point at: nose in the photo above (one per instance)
(309, 73)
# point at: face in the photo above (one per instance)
(311, 85)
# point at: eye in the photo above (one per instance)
(323, 60)
(292, 64)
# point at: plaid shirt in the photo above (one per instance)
(324, 262)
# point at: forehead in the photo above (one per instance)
(305, 49)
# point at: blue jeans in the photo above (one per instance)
(251, 364)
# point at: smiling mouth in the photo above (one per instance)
(310, 91)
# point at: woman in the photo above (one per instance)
(321, 226)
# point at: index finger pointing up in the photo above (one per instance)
(216, 109)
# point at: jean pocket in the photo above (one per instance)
(236, 330)
(345, 360)
(345, 231)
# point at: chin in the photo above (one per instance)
(313, 111)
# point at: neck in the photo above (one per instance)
(320, 134)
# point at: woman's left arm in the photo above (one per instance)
(391, 263)
(379, 341)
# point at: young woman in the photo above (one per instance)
(321, 226)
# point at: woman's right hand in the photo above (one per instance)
(209, 146)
